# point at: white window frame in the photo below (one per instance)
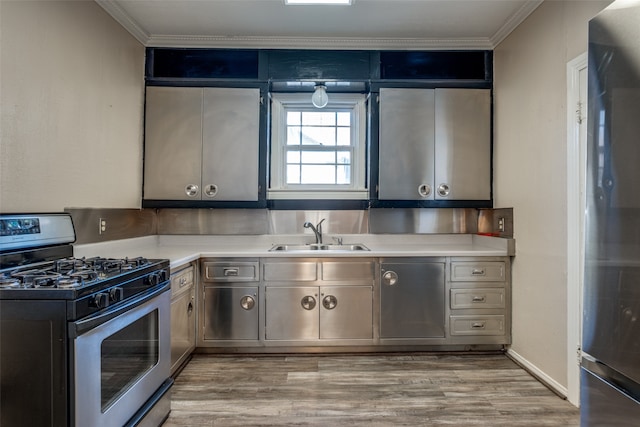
(278, 188)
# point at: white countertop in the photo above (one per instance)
(183, 249)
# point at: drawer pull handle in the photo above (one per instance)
(477, 325)
(478, 272)
(230, 272)
(478, 298)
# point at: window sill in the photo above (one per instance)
(317, 195)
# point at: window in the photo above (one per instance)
(318, 153)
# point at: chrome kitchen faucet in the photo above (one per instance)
(317, 230)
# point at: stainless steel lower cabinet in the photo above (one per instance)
(412, 298)
(183, 315)
(230, 313)
(312, 312)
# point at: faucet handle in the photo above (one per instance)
(338, 240)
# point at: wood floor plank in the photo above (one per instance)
(412, 389)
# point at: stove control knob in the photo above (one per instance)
(100, 300)
(153, 279)
(163, 275)
(116, 294)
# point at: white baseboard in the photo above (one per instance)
(545, 379)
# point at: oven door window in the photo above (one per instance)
(127, 356)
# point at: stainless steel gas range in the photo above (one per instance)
(83, 341)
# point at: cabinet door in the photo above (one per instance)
(173, 143)
(230, 144)
(346, 312)
(462, 144)
(183, 333)
(412, 300)
(230, 313)
(291, 313)
(406, 143)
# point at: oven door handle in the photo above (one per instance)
(81, 326)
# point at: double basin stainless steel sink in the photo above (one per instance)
(319, 247)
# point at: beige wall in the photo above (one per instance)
(71, 87)
(531, 172)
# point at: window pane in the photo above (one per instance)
(293, 135)
(293, 117)
(343, 175)
(293, 157)
(293, 174)
(318, 136)
(316, 118)
(315, 174)
(327, 157)
(344, 157)
(344, 119)
(343, 136)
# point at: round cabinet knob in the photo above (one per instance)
(211, 190)
(329, 302)
(247, 302)
(443, 190)
(308, 302)
(390, 278)
(191, 190)
(424, 190)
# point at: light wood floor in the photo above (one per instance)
(416, 389)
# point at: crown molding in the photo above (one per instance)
(515, 20)
(123, 18)
(256, 42)
(316, 42)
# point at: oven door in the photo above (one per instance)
(121, 359)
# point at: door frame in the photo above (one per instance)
(576, 166)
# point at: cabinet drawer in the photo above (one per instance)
(342, 270)
(469, 271)
(291, 271)
(243, 271)
(181, 280)
(477, 325)
(477, 298)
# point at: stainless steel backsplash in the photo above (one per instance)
(128, 223)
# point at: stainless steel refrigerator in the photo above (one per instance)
(610, 374)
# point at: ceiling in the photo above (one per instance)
(366, 24)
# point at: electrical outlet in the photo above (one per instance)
(501, 225)
(102, 226)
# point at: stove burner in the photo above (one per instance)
(70, 272)
(70, 282)
(7, 282)
(48, 278)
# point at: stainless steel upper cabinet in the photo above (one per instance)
(463, 144)
(230, 148)
(173, 143)
(406, 144)
(435, 144)
(202, 144)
